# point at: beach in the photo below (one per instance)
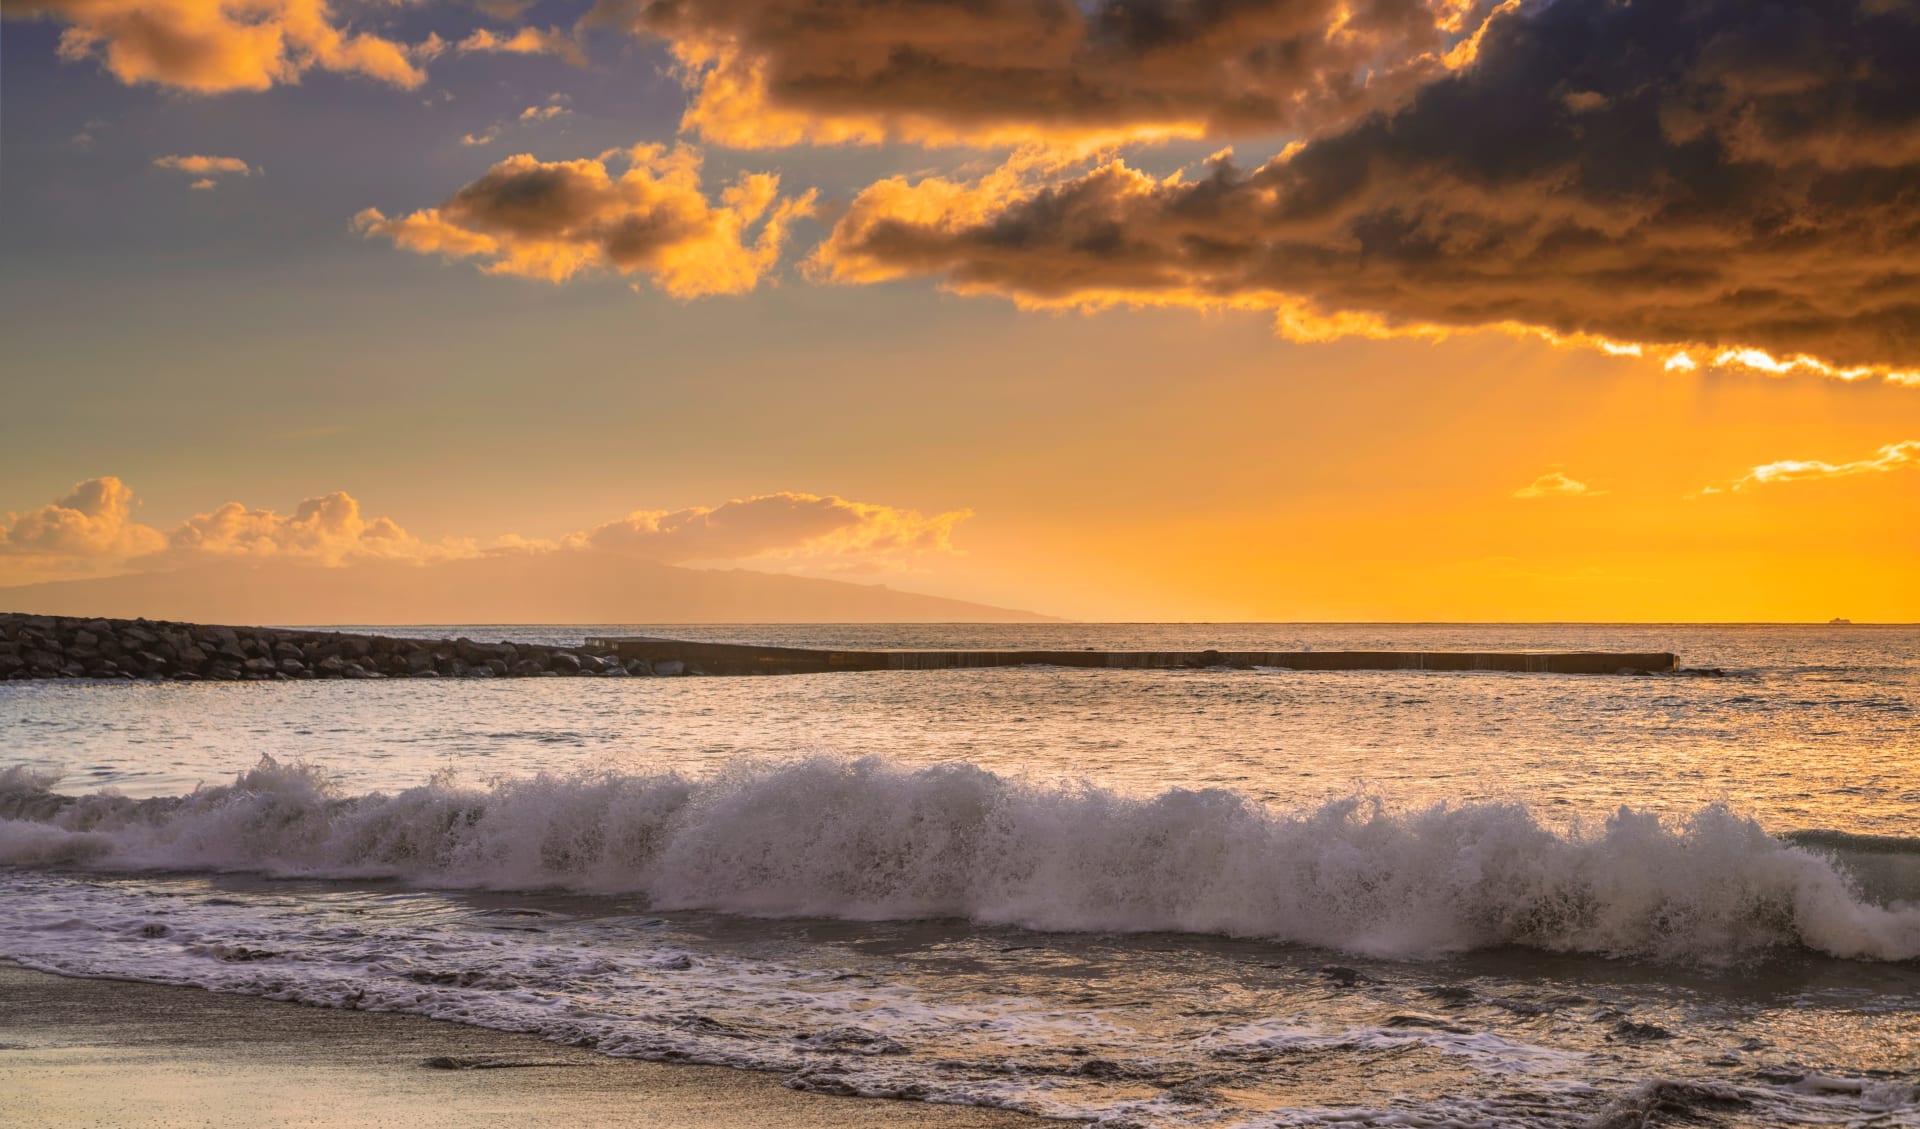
(79, 1052)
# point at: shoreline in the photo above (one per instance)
(134, 1055)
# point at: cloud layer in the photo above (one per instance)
(1714, 182)
(553, 220)
(806, 525)
(1717, 175)
(525, 41)
(780, 72)
(1893, 456)
(216, 46)
(93, 528)
(328, 530)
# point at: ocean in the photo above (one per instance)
(1134, 898)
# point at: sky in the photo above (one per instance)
(1119, 309)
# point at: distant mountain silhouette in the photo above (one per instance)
(561, 587)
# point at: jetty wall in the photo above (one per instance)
(36, 646)
(740, 658)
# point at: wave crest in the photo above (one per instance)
(870, 839)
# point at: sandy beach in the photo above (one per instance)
(142, 1056)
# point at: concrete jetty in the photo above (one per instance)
(748, 658)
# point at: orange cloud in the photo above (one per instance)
(783, 72)
(94, 521)
(1892, 457)
(92, 530)
(217, 46)
(526, 41)
(201, 166)
(1565, 202)
(553, 220)
(1557, 484)
(786, 524)
(329, 530)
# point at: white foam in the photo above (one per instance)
(869, 839)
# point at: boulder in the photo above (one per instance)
(564, 663)
(258, 667)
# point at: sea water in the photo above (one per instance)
(1152, 898)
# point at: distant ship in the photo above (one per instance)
(1838, 621)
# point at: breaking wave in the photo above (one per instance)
(869, 839)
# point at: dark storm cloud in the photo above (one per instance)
(1714, 173)
(770, 72)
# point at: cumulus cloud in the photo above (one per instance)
(786, 524)
(781, 72)
(1557, 484)
(94, 521)
(1649, 177)
(328, 530)
(1892, 457)
(93, 529)
(216, 46)
(526, 41)
(544, 113)
(553, 220)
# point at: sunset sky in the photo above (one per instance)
(1155, 309)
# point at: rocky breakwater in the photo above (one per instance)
(35, 646)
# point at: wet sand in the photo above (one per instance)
(86, 1053)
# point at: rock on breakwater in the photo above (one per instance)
(37, 646)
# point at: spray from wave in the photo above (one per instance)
(869, 839)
